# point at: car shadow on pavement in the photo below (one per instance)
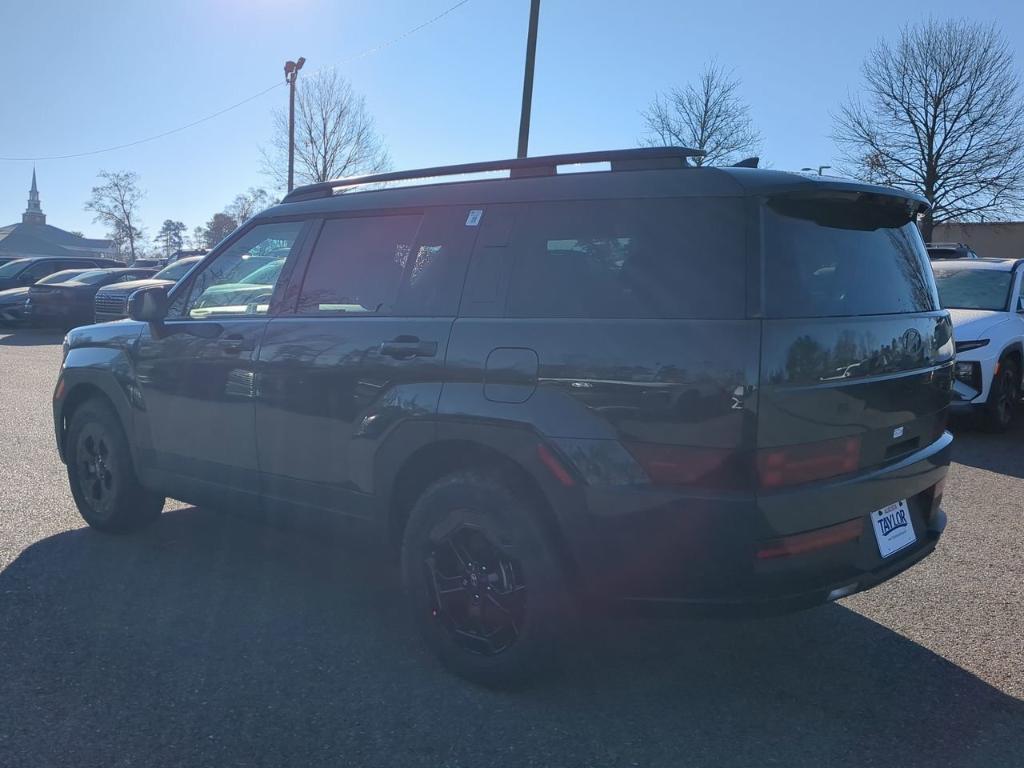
(1000, 453)
(213, 640)
(29, 337)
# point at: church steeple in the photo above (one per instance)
(34, 213)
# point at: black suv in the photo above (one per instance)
(674, 385)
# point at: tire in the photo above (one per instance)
(103, 482)
(1003, 397)
(477, 561)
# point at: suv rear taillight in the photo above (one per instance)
(804, 463)
(732, 469)
(682, 465)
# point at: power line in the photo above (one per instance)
(148, 138)
(360, 55)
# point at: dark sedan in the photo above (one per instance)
(23, 272)
(12, 301)
(70, 303)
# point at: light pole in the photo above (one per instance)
(531, 56)
(821, 168)
(291, 74)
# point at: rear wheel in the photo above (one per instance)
(100, 471)
(484, 582)
(1003, 397)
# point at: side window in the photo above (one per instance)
(40, 270)
(358, 264)
(668, 258)
(434, 275)
(242, 278)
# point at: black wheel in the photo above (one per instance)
(484, 582)
(103, 482)
(1003, 397)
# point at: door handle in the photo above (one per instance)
(405, 347)
(235, 343)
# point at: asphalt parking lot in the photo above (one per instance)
(210, 640)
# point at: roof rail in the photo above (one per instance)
(642, 158)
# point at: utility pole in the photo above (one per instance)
(291, 74)
(531, 56)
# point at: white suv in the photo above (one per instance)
(984, 296)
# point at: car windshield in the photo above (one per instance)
(266, 275)
(174, 271)
(973, 288)
(92, 277)
(245, 267)
(13, 268)
(60, 277)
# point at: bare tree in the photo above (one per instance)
(114, 203)
(197, 240)
(942, 115)
(334, 134)
(708, 115)
(248, 204)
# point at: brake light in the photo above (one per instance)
(802, 543)
(724, 468)
(794, 464)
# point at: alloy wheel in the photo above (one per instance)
(97, 477)
(477, 591)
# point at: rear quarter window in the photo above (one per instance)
(659, 258)
(843, 258)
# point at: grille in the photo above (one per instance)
(110, 306)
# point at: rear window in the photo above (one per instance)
(675, 258)
(828, 257)
(92, 277)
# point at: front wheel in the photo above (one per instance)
(1003, 397)
(100, 471)
(484, 581)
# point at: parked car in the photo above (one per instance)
(111, 302)
(253, 290)
(984, 297)
(944, 251)
(70, 303)
(675, 385)
(154, 263)
(24, 272)
(12, 301)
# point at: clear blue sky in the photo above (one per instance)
(85, 75)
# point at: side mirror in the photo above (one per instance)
(148, 305)
(1020, 304)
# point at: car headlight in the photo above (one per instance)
(967, 346)
(969, 373)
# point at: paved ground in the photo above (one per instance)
(211, 641)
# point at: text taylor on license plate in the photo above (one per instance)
(894, 529)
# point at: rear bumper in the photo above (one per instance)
(782, 602)
(47, 313)
(701, 552)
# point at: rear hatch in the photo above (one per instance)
(856, 356)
